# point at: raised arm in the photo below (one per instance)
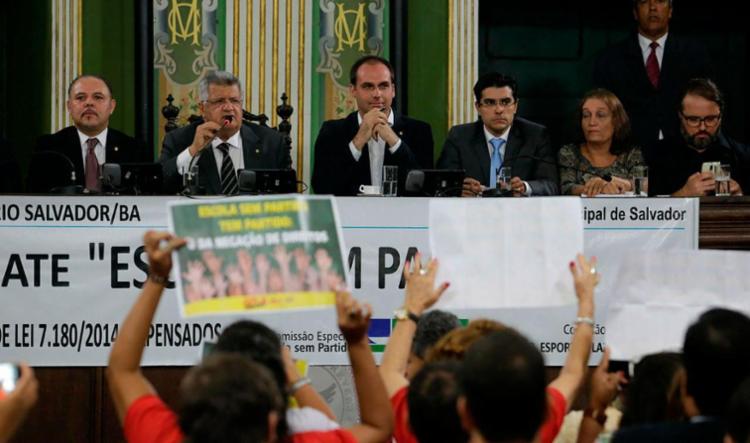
(126, 382)
(604, 389)
(374, 407)
(420, 295)
(573, 372)
(300, 387)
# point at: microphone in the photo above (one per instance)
(227, 120)
(189, 186)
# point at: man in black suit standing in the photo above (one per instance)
(498, 139)
(88, 144)
(220, 144)
(350, 152)
(648, 70)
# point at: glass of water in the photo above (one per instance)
(639, 181)
(503, 180)
(390, 180)
(721, 177)
(190, 178)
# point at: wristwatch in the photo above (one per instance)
(404, 314)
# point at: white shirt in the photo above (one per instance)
(645, 44)
(504, 136)
(235, 152)
(376, 149)
(99, 150)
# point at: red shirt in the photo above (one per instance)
(401, 430)
(556, 407)
(150, 420)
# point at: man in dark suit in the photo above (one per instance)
(350, 152)
(716, 354)
(648, 70)
(86, 145)
(500, 139)
(220, 144)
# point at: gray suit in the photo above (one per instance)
(528, 153)
(262, 148)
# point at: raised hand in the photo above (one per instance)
(605, 385)
(585, 277)
(160, 257)
(421, 292)
(353, 318)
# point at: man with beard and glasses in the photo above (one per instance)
(677, 162)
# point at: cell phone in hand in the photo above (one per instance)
(9, 374)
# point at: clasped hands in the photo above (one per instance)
(374, 125)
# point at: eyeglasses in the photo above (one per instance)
(234, 101)
(491, 102)
(693, 121)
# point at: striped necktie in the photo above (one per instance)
(229, 184)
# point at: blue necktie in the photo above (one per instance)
(497, 160)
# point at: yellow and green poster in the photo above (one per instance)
(257, 254)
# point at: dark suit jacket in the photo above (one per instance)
(262, 148)
(673, 162)
(710, 431)
(120, 148)
(528, 153)
(336, 172)
(620, 69)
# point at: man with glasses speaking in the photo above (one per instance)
(686, 166)
(500, 139)
(219, 144)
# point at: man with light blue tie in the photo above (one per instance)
(497, 139)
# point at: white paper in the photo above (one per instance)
(505, 253)
(658, 295)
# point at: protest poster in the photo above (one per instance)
(257, 254)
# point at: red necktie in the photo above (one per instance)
(92, 166)
(652, 65)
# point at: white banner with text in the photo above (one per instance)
(71, 267)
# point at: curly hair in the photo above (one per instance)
(454, 344)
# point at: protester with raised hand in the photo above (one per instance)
(420, 294)
(229, 397)
(605, 386)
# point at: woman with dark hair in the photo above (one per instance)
(654, 394)
(602, 160)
